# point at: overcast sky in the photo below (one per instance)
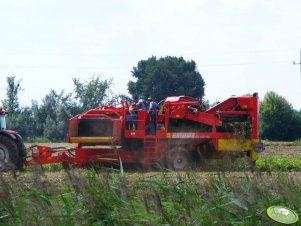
(240, 46)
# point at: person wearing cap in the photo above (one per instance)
(153, 108)
(140, 105)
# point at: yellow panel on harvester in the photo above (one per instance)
(97, 140)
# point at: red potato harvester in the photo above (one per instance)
(185, 133)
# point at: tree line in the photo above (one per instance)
(158, 78)
(49, 120)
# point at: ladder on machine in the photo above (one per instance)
(150, 154)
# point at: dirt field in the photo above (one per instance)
(282, 151)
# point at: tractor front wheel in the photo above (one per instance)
(8, 153)
(178, 158)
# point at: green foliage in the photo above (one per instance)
(55, 167)
(92, 93)
(11, 103)
(297, 142)
(168, 76)
(53, 114)
(51, 129)
(13, 87)
(107, 198)
(279, 121)
(50, 118)
(279, 163)
(36, 139)
(23, 122)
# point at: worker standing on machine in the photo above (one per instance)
(153, 107)
(131, 118)
(140, 105)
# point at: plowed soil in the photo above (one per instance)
(287, 151)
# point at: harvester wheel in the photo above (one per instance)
(8, 153)
(178, 158)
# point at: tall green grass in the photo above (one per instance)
(93, 197)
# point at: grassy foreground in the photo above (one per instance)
(91, 197)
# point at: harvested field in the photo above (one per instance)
(282, 151)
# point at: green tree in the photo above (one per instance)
(297, 125)
(92, 93)
(53, 114)
(19, 119)
(11, 103)
(51, 130)
(39, 117)
(24, 122)
(279, 121)
(168, 76)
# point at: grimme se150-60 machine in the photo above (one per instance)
(185, 133)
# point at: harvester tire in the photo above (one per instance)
(178, 158)
(8, 153)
